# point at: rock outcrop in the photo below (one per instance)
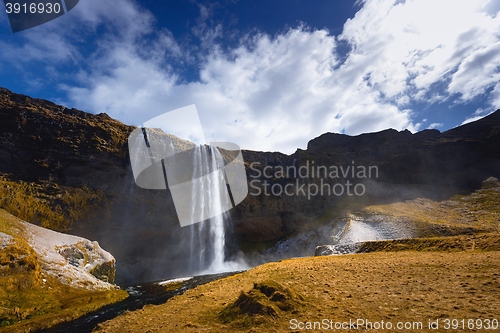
(72, 260)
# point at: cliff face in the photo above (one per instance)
(69, 170)
(57, 161)
(40, 139)
(457, 156)
(404, 166)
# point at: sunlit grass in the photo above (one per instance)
(46, 204)
(32, 299)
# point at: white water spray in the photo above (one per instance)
(208, 238)
(198, 178)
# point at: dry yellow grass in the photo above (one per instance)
(47, 204)
(412, 280)
(480, 210)
(388, 286)
(31, 299)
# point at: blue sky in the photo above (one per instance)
(266, 75)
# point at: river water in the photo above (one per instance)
(148, 293)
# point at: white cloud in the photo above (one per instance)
(477, 72)
(478, 114)
(276, 93)
(495, 96)
(471, 119)
(415, 44)
(435, 125)
(127, 87)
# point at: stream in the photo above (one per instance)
(147, 293)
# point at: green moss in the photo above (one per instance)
(105, 272)
(51, 303)
(46, 204)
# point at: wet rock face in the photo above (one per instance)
(328, 250)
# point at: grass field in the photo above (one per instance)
(449, 274)
(394, 287)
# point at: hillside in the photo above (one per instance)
(48, 277)
(450, 272)
(275, 297)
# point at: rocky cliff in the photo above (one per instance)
(69, 170)
(427, 164)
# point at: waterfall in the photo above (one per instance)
(208, 238)
(198, 178)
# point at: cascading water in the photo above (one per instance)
(198, 178)
(208, 238)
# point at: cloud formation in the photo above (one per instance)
(278, 92)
